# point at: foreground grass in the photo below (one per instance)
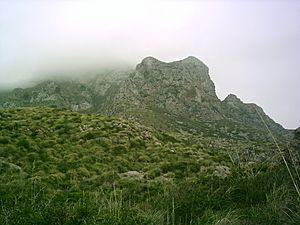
(59, 167)
(264, 198)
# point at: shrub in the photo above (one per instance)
(4, 140)
(23, 143)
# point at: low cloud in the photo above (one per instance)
(251, 47)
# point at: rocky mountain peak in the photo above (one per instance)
(148, 62)
(173, 84)
(192, 60)
(190, 63)
(232, 97)
(189, 68)
(150, 59)
(232, 100)
(188, 60)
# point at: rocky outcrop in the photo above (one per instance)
(250, 115)
(182, 89)
(233, 101)
(61, 94)
(132, 175)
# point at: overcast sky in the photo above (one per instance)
(251, 47)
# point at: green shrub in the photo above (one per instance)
(9, 150)
(23, 142)
(4, 140)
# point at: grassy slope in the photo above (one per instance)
(61, 167)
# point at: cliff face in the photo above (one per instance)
(177, 96)
(181, 88)
(175, 84)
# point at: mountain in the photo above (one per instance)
(178, 96)
(154, 145)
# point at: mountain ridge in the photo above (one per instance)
(156, 93)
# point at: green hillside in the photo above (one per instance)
(63, 167)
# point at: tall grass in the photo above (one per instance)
(51, 178)
(295, 182)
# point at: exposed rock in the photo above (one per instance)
(222, 171)
(132, 175)
(233, 100)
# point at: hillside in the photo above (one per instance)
(50, 143)
(63, 167)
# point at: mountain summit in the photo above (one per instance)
(174, 86)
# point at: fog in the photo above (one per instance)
(251, 47)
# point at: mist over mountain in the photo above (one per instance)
(246, 44)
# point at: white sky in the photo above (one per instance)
(251, 47)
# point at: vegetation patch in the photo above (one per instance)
(61, 167)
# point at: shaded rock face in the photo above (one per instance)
(250, 114)
(182, 88)
(83, 95)
(175, 84)
(73, 95)
(233, 101)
